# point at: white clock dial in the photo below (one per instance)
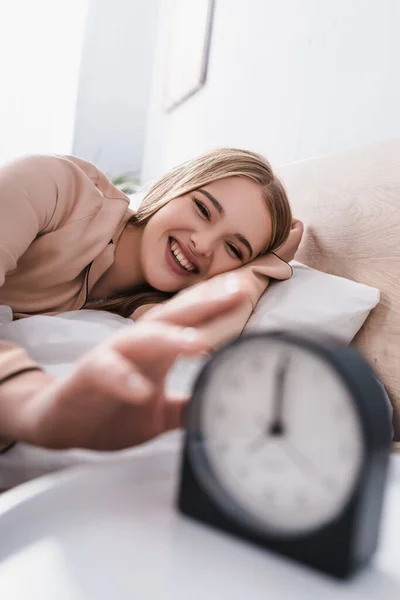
(289, 465)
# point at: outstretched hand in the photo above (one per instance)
(115, 396)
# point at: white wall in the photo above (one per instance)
(40, 50)
(115, 83)
(290, 78)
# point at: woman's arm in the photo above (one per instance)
(36, 194)
(115, 395)
(30, 189)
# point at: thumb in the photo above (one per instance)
(174, 411)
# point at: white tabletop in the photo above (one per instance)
(111, 531)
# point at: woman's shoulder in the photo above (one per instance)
(54, 166)
(58, 188)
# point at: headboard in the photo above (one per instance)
(350, 206)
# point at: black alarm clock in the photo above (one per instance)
(287, 443)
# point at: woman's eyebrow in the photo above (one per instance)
(244, 241)
(215, 202)
(221, 211)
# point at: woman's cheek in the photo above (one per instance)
(156, 275)
(222, 265)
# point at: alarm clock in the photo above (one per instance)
(286, 445)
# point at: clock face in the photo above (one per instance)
(282, 444)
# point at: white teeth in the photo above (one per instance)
(181, 258)
(183, 261)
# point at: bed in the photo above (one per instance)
(349, 205)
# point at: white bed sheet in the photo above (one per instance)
(55, 343)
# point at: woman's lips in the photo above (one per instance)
(171, 262)
(186, 253)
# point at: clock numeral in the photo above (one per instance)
(220, 411)
(339, 412)
(272, 464)
(301, 499)
(233, 381)
(259, 418)
(256, 364)
(344, 450)
(330, 483)
(243, 472)
(269, 495)
(222, 447)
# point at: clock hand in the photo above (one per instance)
(302, 460)
(257, 443)
(277, 428)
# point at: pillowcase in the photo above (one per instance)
(314, 300)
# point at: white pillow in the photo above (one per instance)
(312, 299)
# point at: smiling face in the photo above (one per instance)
(214, 229)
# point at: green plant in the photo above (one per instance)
(128, 183)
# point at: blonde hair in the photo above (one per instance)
(193, 174)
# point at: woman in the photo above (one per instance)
(68, 240)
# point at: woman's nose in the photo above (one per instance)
(202, 245)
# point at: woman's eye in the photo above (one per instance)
(203, 209)
(235, 251)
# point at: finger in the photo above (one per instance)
(298, 225)
(201, 303)
(174, 412)
(154, 347)
(116, 377)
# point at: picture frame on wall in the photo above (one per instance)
(189, 28)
